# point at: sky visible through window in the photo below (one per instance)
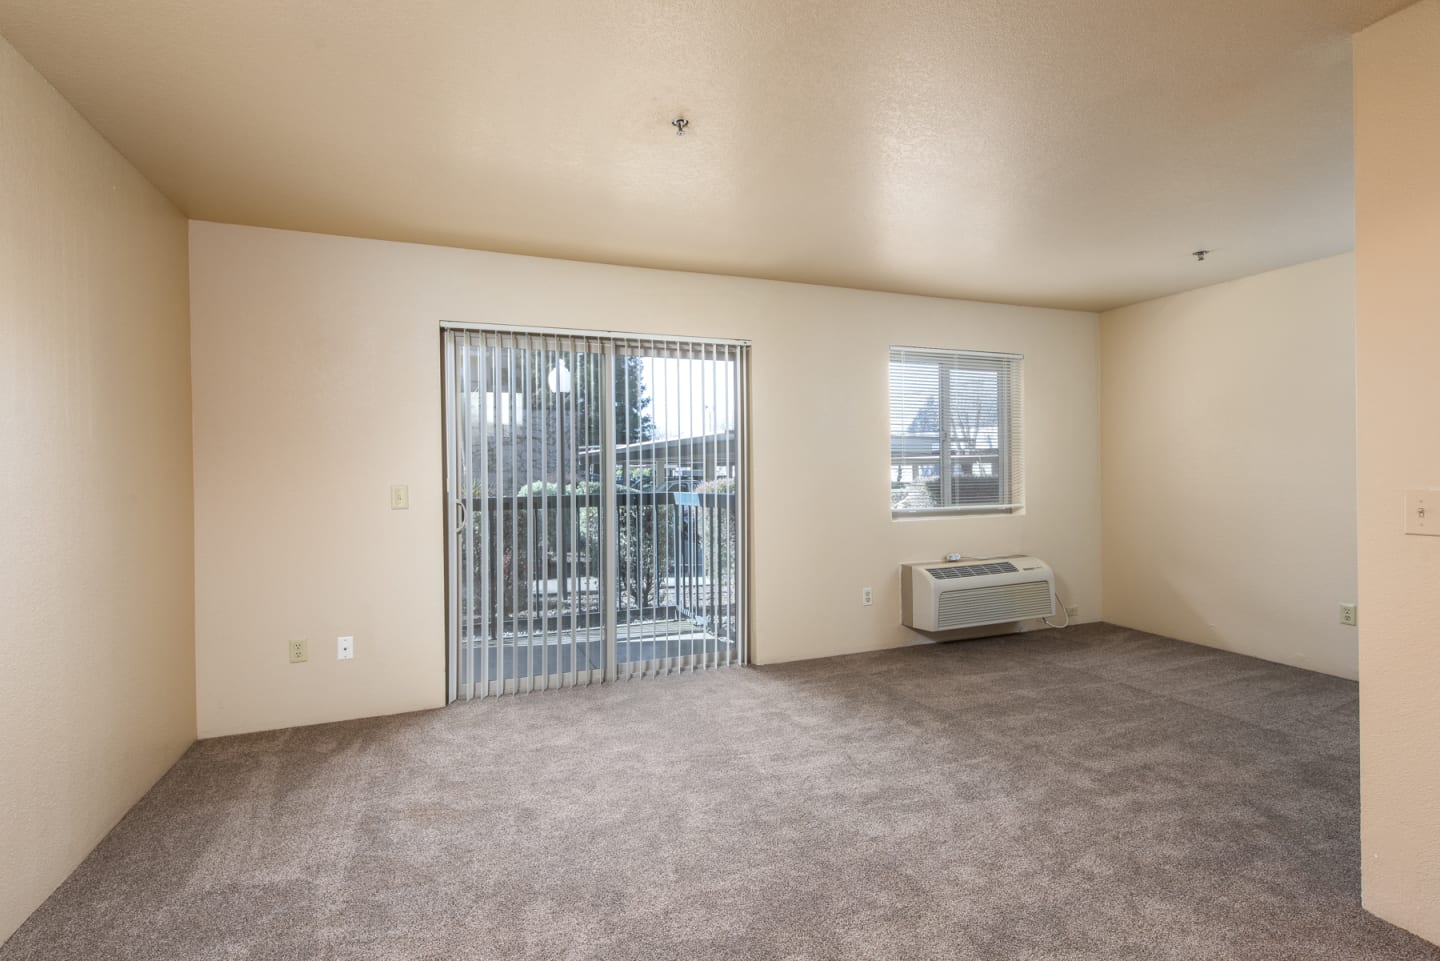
(689, 398)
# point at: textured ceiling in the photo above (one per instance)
(1059, 152)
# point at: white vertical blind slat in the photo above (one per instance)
(466, 537)
(696, 430)
(742, 500)
(505, 496)
(540, 576)
(708, 420)
(475, 520)
(727, 591)
(628, 532)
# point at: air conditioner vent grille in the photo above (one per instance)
(993, 605)
(971, 570)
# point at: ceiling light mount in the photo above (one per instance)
(1200, 255)
(679, 123)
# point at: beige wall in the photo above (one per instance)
(97, 678)
(1228, 461)
(317, 385)
(1397, 193)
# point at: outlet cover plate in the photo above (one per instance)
(299, 652)
(344, 648)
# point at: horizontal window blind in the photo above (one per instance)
(956, 438)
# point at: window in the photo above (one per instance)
(955, 441)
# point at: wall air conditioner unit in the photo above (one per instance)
(945, 596)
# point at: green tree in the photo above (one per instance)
(632, 419)
(554, 420)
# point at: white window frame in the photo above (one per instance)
(1009, 411)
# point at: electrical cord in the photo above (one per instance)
(1059, 627)
(952, 558)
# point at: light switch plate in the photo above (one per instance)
(399, 497)
(1422, 512)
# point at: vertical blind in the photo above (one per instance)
(956, 442)
(598, 507)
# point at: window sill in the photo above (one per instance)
(926, 513)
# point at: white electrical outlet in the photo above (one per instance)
(1349, 614)
(399, 497)
(299, 652)
(344, 648)
(867, 597)
(1072, 611)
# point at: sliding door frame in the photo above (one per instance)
(460, 521)
(448, 410)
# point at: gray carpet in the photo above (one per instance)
(1094, 793)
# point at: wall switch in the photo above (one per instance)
(867, 597)
(299, 652)
(1349, 614)
(1422, 512)
(344, 648)
(399, 497)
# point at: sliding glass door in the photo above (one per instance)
(596, 507)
